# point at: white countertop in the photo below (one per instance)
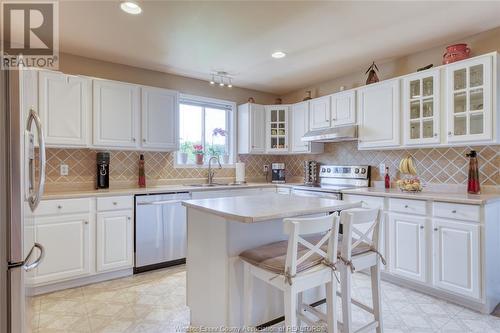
(456, 197)
(152, 190)
(270, 206)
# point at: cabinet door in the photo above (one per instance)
(277, 128)
(421, 108)
(344, 108)
(160, 110)
(114, 240)
(469, 102)
(257, 128)
(116, 114)
(456, 257)
(407, 246)
(378, 117)
(319, 109)
(299, 117)
(64, 108)
(67, 245)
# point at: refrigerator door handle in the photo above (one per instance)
(34, 197)
(30, 266)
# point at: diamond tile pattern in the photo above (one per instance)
(434, 165)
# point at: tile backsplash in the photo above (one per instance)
(435, 165)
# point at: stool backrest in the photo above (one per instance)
(327, 226)
(360, 226)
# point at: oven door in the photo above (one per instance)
(317, 194)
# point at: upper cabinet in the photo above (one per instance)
(378, 114)
(319, 113)
(469, 108)
(343, 108)
(421, 107)
(277, 128)
(251, 129)
(299, 125)
(64, 108)
(116, 114)
(159, 118)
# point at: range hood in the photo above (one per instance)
(335, 134)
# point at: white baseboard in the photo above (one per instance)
(48, 288)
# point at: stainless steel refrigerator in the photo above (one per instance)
(22, 178)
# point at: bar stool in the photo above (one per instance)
(296, 265)
(362, 228)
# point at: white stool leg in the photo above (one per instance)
(331, 305)
(247, 294)
(345, 284)
(290, 296)
(377, 300)
(299, 308)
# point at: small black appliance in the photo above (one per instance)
(102, 179)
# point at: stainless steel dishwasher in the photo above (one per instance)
(160, 231)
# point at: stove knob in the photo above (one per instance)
(356, 170)
(329, 170)
(363, 170)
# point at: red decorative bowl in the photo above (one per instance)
(456, 52)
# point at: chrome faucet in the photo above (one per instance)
(211, 173)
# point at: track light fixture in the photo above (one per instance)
(221, 78)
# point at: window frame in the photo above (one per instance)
(230, 128)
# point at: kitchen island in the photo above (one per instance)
(219, 229)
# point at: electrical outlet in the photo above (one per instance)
(381, 168)
(64, 170)
(266, 168)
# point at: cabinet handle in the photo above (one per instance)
(435, 134)
(128, 218)
(436, 229)
(115, 203)
(454, 211)
(143, 140)
(133, 139)
(450, 134)
(406, 206)
(421, 227)
(86, 222)
(59, 207)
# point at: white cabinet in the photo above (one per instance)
(299, 119)
(116, 114)
(378, 115)
(319, 113)
(65, 102)
(343, 108)
(251, 129)
(456, 257)
(277, 128)
(469, 107)
(407, 246)
(422, 108)
(66, 240)
(114, 246)
(159, 118)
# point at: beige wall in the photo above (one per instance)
(73, 64)
(484, 42)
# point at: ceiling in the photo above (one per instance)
(323, 39)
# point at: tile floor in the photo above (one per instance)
(155, 302)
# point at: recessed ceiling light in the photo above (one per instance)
(130, 7)
(278, 55)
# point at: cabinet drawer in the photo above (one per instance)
(407, 206)
(366, 200)
(66, 206)
(115, 203)
(457, 211)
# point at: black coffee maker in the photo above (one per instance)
(102, 179)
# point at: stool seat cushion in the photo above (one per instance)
(272, 256)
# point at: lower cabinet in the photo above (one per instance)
(114, 240)
(407, 246)
(456, 257)
(66, 240)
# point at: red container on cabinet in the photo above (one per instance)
(456, 52)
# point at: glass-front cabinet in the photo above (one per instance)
(469, 100)
(277, 128)
(422, 108)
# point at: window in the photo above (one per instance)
(205, 130)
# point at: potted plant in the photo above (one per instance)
(198, 153)
(186, 148)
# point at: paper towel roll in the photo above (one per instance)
(240, 172)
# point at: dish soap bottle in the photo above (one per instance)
(387, 178)
(142, 173)
(473, 186)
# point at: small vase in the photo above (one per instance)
(184, 158)
(199, 159)
(456, 52)
(226, 159)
